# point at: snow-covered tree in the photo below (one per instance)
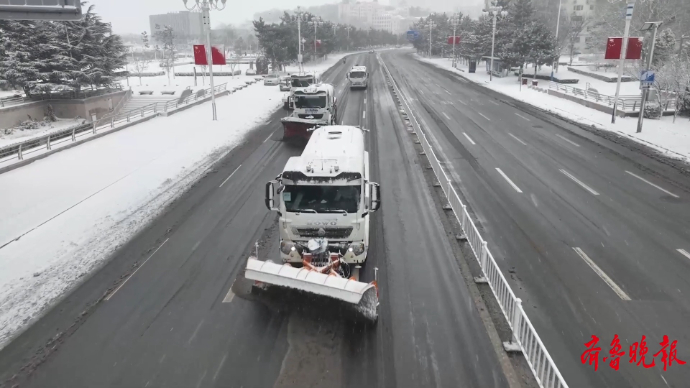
(167, 37)
(665, 47)
(141, 62)
(574, 28)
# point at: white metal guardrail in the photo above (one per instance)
(525, 337)
(18, 151)
(631, 102)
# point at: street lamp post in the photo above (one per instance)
(624, 52)
(299, 39)
(654, 26)
(316, 22)
(455, 20)
(348, 28)
(558, 24)
(494, 11)
(431, 27)
(206, 6)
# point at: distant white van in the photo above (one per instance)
(358, 77)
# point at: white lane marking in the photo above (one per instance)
(569, 141)
(517, 138)
(468, 138)
(365, 101)
(480, 113)
(534, 200)
(684, 253)
(195, 331)
(444, 113)
(364, 114)
(230, 295)
(519, 115)
(493, 102)
(341, 121)
(135, 271)
(621, 294)
(230, 176)
(508, 179)
(447, 91)
(652, 184)
(269, 136)
(162, 358)
(462, 102)
(201, 379)
(566, 173)
(215, 376)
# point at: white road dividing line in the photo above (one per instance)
(269, 136)
(135, 271)
(468, 138)
(493, 102)
(517, 138)
(364, 114)
(365, 101)
(621, 294)
(462, 102)
(569, 141)
(444, 113)
(447, 92)
(215, 376)
(480, 113)
(233, 173)
(508, 179)
(684, 253)
(229, 297)
(566, 173)
(652, 184)
(519, 115)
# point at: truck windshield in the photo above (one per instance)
(322, 199)
(357, 74)
(302, 102)
(301, 83)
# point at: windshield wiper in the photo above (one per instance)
(336, 211)
(305, 211)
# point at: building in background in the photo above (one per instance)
(186, 24)
(371, 14)
(581, 11)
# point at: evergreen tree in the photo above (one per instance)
(665, 47)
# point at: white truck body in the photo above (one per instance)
(358, 77)
(328, 187)
(300, 82)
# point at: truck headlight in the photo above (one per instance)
(287, 247)
(356, 248)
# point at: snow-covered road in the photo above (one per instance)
(65, 214)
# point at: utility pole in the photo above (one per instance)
(558, 24)
(494, 11)
(206, 6)
(455, 28)
(654, 26)
(316, 22)
(624, 52)
(431, 26)
(348, 28)
(299, 40)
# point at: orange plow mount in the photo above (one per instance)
(320, 280)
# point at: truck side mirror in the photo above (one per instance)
(270, 192)
(374, 197)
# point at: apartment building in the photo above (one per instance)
(184, 23)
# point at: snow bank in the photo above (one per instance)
(65, 214)
(14, 135)
(670, 139)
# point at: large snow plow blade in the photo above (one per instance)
(363, 296)
(294, 127)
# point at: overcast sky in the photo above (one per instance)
(133, 15)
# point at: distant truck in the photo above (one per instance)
(299, 82)
(313, 107)
(358, 77)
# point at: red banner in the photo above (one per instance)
(614, 47)
(450, 39)
(200, 55)
(318, 43)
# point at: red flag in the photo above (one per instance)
(614, 47)
(200, 55)
(450, 39)
(318, 43)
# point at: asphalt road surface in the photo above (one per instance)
(175, 322)
(593, 237)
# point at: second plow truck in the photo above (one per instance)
(324, 198)
(314, 106)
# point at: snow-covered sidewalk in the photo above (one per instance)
(64, 215)
(669, 138)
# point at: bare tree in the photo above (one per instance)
(575, 26)
(141, 62)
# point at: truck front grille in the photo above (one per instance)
(343, 232)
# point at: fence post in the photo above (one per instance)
(112, 122)
(142, 112)
(483, 254)
(94, 127)
(127, 116)
(635, 106)
(19, 153)
(513, 345)
(48, 143)
(74, 135)
(463, 222)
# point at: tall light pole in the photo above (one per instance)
(624, 52)
(654, 26)
(299, 39)
(206, 6)
(493, 11)
(316, 22)
(558, 24)
(348, 28)
(455, 19)
(431, 27)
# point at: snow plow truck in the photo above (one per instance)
(314, 106)
(324, 199)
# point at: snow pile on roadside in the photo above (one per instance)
(670, 139)
(65, 214)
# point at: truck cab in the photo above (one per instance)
(300, 82)
(326, 192)
(358, 77)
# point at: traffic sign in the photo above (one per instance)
(646, 79)
(412, 35)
